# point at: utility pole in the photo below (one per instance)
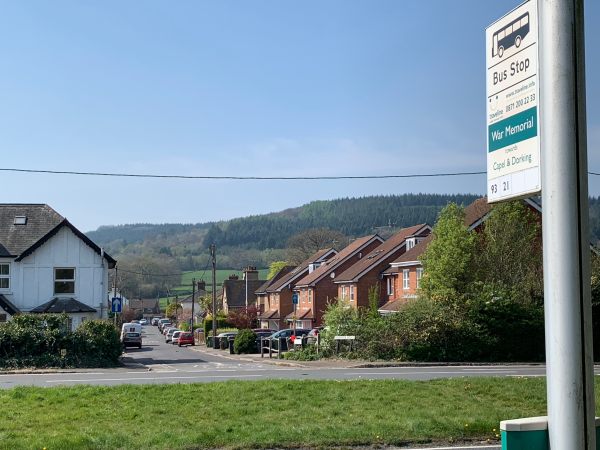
(567, 296)
(213, 254)
(193, 301)
(115, 294)
(246, 278)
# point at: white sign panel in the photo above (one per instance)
(513, 143)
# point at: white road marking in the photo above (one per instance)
(149, 378)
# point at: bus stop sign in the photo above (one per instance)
(513, 143)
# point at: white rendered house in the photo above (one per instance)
(49, 266)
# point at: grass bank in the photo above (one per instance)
(264, 414)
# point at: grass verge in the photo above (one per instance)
(264, 414)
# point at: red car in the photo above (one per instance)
(186, 338)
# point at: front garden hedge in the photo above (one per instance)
(43, 340)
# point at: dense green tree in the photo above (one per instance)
(448, 260)
(275, 267)
(509, 252)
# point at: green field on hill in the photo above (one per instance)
(185, 288)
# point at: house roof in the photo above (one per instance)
(411, 256)
(338, 259)
(301, 315)
(60, 305)
(8, 306)
(300, 271)
(235, 292)
(282, 272)
(475, 212)
(41, 223)
(385, 250)
(145, 303)
(270, 314)
(391, 306)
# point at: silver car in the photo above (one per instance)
(169, 334)
(175, 337)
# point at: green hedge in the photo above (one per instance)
(245, 342)
(42, 340)
(221, 323)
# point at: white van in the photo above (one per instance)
(131, 327)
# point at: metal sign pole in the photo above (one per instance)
(566, 240)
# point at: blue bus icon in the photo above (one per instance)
(509, 35)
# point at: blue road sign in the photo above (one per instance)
(295, 298)
(117, 305)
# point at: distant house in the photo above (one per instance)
(355, 283)
(238, 293)
(49, 266)
(403, 276)
(145, 307)
(279, 294)
(318, 287)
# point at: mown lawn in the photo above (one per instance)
(264, 414)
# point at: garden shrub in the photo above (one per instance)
(245, 342)
(306, 354)
(37, 341)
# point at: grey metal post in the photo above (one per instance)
(193, 301)
(213, 254)
(567, 294)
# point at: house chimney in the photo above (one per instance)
(234, 277)
(250, 273)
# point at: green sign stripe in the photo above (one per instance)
(515, 129)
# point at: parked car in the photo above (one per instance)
(186, 338)
(287, 334)
(175, 337)
(131, 339)
(164, 326)
(169, 334)
(161, 323)
(143, 322)
(155, 321)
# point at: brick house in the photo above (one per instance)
(403, 276)
(279, 294)
(353, 284)
(238, 294)
(318, 288)
(262, 297)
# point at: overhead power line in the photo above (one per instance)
(229, 177)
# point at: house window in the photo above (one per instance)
(390, 286)
(419, 276)
(64, 281)
(310, 294)
(406, 279)
(4, 276)
(410, 243)
(344, 294)
(351, 293)
(3, 318)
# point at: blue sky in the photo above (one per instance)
(252, 88)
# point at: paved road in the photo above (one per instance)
(158, 362)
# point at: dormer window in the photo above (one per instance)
(410, 243)
(20, 220)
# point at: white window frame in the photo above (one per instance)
(344, 292)
(65, 280)
(5, 276)
(419, 276)
(351, 292)
(390, 285)
(406, 279)
(310, 295)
